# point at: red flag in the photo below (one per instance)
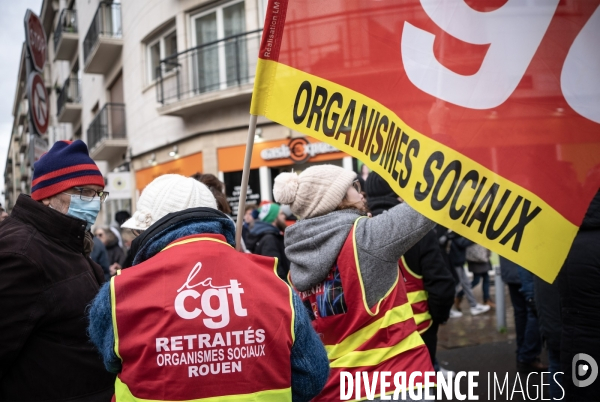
(482, 115)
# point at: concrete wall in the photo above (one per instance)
(93, 85)
(146, 128)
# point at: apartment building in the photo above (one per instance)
(24, 147)
(155, 87)
(188, 68)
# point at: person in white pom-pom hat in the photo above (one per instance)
(187, 280)
(345, 264)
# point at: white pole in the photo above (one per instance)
(347, 163)
(264, 173)
(245, 176)
(500, 302)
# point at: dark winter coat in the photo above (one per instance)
(509, 271)
(425, 258)
(479, 267)
(458, 249)
(115, 253)
(265, 239)
(46, 285)
(100, 256)
(547, 302)
(442, 238)
(579, 283)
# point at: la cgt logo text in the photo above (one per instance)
(431, 385)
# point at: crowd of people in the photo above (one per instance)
(334, 272)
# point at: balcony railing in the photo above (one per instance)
(69, 94)
(67, 22)
(109, 123)
(213, 66)
(106, 23)
(23, 111)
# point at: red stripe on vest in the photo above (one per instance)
(420, 307)
(389, 336)
(415, 284)
(225, 313)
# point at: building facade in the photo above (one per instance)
(189, 72)
(160, 86)
(25, 147)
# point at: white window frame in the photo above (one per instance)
(220, 35)
(161, 41)
(262, 12)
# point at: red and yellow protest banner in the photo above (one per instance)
(482, 115)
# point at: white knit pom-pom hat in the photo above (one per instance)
(166, 194)
(316, 191)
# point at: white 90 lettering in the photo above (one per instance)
(514, 32)
(579, 79)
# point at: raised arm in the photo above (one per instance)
(392, 233)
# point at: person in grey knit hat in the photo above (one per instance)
(425, 267)
(333, 222)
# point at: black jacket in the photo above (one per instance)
(547, 302)
(579, 284)
(509, 271)
(425, 258)
(115, 253)
(100, 256)
(265, 239)
(46, 285)
(458, 249)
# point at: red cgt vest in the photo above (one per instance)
(198, 321)
(417, 296)
(359, 338)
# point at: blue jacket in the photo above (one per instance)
(100, 256)
(310, 365)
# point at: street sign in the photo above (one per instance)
(38, 102)
(35, 37)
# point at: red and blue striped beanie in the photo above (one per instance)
(66, 165)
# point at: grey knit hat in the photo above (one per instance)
(316, 191)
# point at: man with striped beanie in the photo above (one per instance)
(48, 280)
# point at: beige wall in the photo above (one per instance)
(94, 86)
(146, 128)
(148, 131)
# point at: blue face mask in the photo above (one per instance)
(86, 210)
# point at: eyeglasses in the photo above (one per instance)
(356, 185)
(88, 194)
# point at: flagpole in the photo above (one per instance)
(245, 176)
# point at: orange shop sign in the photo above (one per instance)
(185, 166)
(278, 153)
